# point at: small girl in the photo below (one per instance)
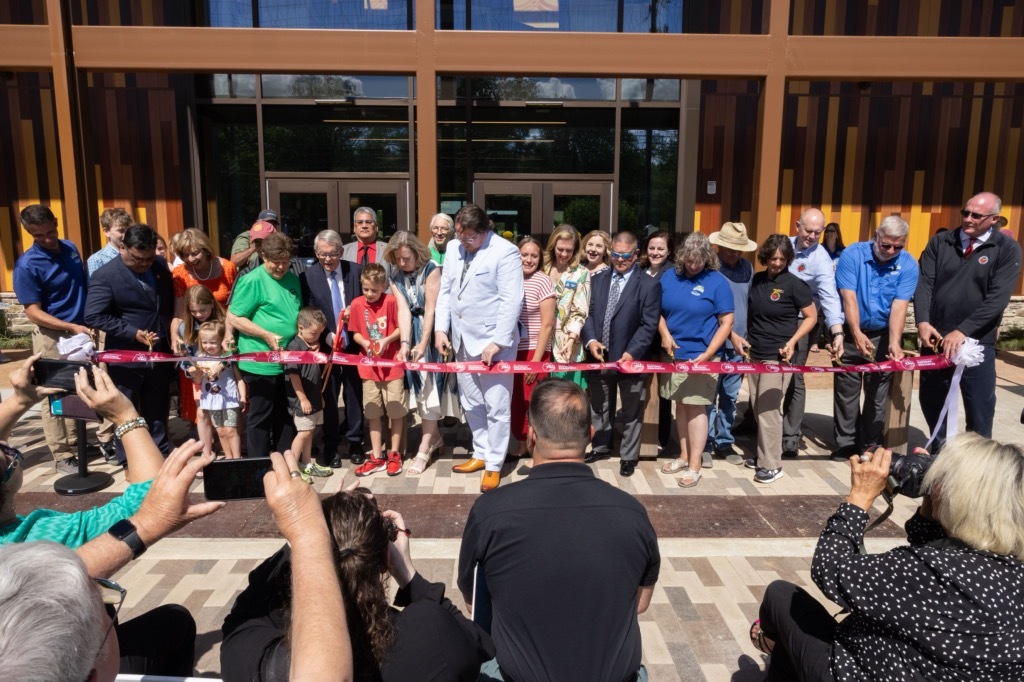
(222, 390)
(201, 307)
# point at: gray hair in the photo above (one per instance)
(444, 217)
(696, 247)
(51, 624)
(979, 490)
(893, 226)
(364, 209)
(329, 236)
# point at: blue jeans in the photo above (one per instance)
(722, 410)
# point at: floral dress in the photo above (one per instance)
(572, 296)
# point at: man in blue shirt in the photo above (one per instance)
(49, 280)
(114, 221)
(813, 265)
(876, 281)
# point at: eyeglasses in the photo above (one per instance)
(139, 260)
(15, 456)
(440, 228)
(328, 256)
(623, 256)
(469, 236)
(889, 247)
(977, 216)
(113, 596)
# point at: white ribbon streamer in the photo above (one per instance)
(78, 347)
(970, 354)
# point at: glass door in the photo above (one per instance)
(535, 208)
(304, 207)
(388, 198)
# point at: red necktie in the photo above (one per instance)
(970, 248)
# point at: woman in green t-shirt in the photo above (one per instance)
(264, 309)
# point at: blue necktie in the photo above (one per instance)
(338, 307)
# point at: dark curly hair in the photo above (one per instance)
(360, 536)
(776, 242)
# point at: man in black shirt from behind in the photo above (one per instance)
(569, 561)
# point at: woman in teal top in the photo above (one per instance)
(72, 529)
(264, 308)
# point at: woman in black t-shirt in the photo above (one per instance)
(776, 301)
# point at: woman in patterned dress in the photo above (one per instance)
(571, 282)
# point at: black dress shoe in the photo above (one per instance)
(789, 454)
(592, 457)
(357, 458)
(337, 462)
(627, 467)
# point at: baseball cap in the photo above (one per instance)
(261, 229)
(268, 215)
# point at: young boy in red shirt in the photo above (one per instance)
(373, 323)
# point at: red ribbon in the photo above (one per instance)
(519, 367)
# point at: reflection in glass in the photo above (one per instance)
(233, 171)
(379, 15)
(582, 212)
(650, 89)
(335, 139)
(302, 216)
(648, 167)
(229, 13)
(232, 85)
(637, 16)
(512, 215)
(334, 86)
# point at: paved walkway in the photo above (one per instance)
(721, 542)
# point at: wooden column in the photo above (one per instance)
(66, 97)
(425, 190)
(769, 125)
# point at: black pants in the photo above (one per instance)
(149, 389)
(803, 632)
(159, 642)
(270, 427)
(977, 388)
(343, 378)
(850, 424)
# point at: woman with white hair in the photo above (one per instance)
(442, 227)
(947, 606)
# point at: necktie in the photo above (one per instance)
(366, 254)
(337, 305)
(970, 248)
(465, 267)
(613, 299)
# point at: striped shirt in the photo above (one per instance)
(536, 288)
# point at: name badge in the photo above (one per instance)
(570, 285)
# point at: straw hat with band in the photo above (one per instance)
(733, 236)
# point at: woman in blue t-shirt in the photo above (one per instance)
(696, 319)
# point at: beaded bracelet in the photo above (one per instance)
(130, 425)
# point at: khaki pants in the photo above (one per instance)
(58, 432)
(767, 392)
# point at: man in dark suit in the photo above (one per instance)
(330, 285)
(625, 305)
(131, 298)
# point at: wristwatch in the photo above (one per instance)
(124, 530)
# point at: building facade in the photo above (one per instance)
(609, 114)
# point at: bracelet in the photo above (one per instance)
(130, 425)
(405, 343)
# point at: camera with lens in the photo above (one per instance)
(416, 310)
(906, 474)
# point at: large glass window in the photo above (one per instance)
(231, 170)
(325, 139)
(331, 86)
(392, 15)
(602, 16)
(648, 168)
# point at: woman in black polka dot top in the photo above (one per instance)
(948, 606)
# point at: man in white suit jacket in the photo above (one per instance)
(480, 300)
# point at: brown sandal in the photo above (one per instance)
(759, 639)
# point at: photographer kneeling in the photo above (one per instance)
(947, 606)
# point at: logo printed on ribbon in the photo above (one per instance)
(774, 369)
(140, 357)
(503, 367)
(728, 367)
(548, 366)
(459, 366)
(683, 367)
(906, 363)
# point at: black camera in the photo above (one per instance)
(906, 474)
(416, 310)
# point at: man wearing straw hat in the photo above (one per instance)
(731, 243)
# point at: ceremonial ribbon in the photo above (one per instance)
(970, 354)
(517, 367)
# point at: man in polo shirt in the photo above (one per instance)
(876, 281)
(49, 280)
(568, 560)
(813, 265)
(967, 277)
(366, 248)
(245, 249)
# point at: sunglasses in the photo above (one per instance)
(889, 247)
(623, 256)
(15, 456)
(977, 216)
